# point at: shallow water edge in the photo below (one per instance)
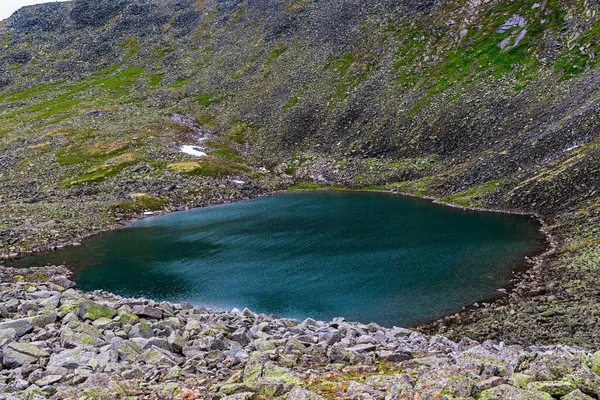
(530, 263)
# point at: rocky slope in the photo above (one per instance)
(58, 342)
(489, 104)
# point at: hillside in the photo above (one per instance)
(484, 104)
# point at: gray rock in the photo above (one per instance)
(505, 392)
(20, 326)
(146, 311)
(91, 310)
(176, 342)
(48, 380)
(18, 354)
(298, 393)
(62, 281)
(363, 348)
(576, 395)
(8, 334)
(71, 359)
(142, 329)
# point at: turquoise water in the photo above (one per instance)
(364, 256)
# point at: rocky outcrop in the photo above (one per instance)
(97, 345)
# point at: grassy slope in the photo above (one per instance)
(425, 103)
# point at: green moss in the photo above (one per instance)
(242, 70)
(29, 93)
(131, 46)
(241, 132)
(340, 65)
(426, 164)
(580, 56)
(207, 99)
(305, 186)
(127, 318)
(276, 52)
(418, 187)
(374, 188)
(351, 70)
(155, 80)
(217, 168)
(296, 5)
(206, 119)
(94, 152)
(143, 202)
(292, 102)
(313, 186)
(179, 83)
(93, 311)
(472, 196)
(93, 177)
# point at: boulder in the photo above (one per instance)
(62, 281)
(142, 329)
(91, 310)
(48, 380)
(504, 392)
(21, 326)
(553, 388)
(18, 354)
(147, 311)
(576, 395)
(298, 393)
(71, 359)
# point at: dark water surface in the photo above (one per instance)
(364, 256)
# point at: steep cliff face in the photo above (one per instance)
(481, 103)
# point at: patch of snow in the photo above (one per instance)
(503, 44)
(239, 182)
(572, 148)
(149, 213)
(193, 150)
(519, 37)
(512, 22)
(536, 5)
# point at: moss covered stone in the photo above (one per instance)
(91, 310)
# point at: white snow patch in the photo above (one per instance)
(239, 182)
(572, 148)
(193, 150)
(519, 37)
(149, 213)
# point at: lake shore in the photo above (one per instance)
(525, 285)
(98, 345)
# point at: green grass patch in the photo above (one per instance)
(131, 46)
(93, 177)
(98, 151)
(29, 93)
(155, 80)
(206, 119)
(179, 83)
(211, 167)
(472, 197)
(140, 203)
(207, 99)
(419, 187)
(276, 52)
(293, 102)
(218, 148)
(313, 186)
(241, 132)
(374, 188)
(109, 168)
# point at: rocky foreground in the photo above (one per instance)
(57, 342)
